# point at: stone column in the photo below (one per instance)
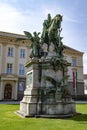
(15, 84)
(16, 60)
(1, 90)
(3, 64)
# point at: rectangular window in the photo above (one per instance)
(9, 68)
(22, 53)
(21, 69)
(21, 86)
(73, 62)
(10, 51)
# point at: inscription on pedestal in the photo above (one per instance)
(29, 80)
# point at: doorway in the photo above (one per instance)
(8, 92)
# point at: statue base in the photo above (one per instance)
(58, 109)
(35, 103)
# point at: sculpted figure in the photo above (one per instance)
(51, 32)
(35, 45)
(46, 25)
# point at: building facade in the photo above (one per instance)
(14, 54)
(75, 72)
(85, 84)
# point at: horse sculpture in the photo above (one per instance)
(54, 29)
(51, 30)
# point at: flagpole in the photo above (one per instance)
(74, 84)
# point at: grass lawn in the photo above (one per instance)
(10, 121)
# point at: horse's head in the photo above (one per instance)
(59, 17)
(53, 29)
(58, 20)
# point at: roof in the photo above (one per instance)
(20, 36)
(69, 48)
(13, 35)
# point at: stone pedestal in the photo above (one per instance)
(28, 105)
(39, 95)
(59, 108)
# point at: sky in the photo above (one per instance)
(17, 16)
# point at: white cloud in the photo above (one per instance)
(16, 21)
(52, 9)
(69, 19)
(9, 17)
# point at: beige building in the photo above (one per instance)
(75, 71)
(13, 56)
(85, 84)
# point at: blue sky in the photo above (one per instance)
(17, 16)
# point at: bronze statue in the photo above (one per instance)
(51, 32)
(46, 25)
(35, 45)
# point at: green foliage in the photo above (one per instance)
(10, 121)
